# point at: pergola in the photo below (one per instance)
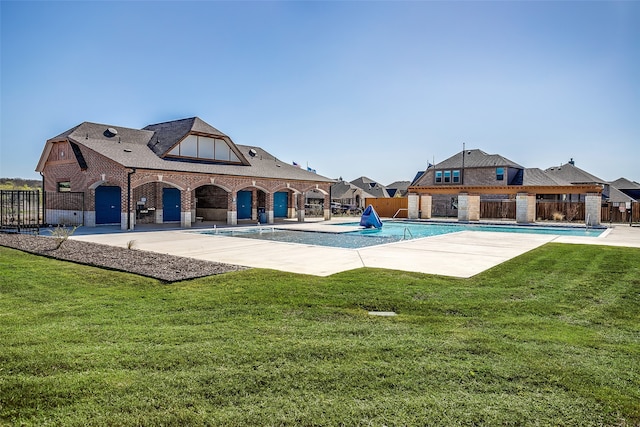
(420, 199)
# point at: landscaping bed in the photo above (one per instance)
(168, 268)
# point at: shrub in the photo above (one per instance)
(61, 234)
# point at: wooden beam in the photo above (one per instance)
(510, 189)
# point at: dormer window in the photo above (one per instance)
(205, 148)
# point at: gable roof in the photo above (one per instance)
(398, 188)
(617, 196)
(344, 190)
(573, 174)
(132, 148)
(476, 159)
(168, 134)
(370, 186)
(625, 184)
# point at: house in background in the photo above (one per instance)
(572, 174)
(371, 187)
(398, 188)
(630, 188)
(173, 172)
(348, 195)
(458, 184)
(472, 168)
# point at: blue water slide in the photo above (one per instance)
(370, 218)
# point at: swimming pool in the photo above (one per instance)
(392, 231)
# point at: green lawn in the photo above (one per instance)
(549, 338)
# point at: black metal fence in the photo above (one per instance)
(20, 210)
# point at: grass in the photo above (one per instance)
(549, 338)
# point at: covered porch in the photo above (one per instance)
(420, 200)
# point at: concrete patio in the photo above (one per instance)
(461, 254)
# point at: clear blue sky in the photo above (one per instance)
(353, 88)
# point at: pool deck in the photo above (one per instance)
(463, 254)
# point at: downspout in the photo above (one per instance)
(330, 199)
(129, 197)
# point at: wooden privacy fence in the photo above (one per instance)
(560, 211)
(388, 207)
(498, 209)
(620, 213)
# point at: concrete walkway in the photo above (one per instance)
(462, 254)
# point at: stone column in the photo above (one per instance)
(232, 208)
(592, 209)
(468, 207)
(525, 208)
(426, 204)
(413, 206)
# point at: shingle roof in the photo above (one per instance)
(536, 176)
(346, 190)
(370, 186)
(168, 134)
(476, 159)
(131, 148)
(625, 184)
(570, 173)
(617, 196)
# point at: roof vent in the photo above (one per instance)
(252, 152)
(110, 132)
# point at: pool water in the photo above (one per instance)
(390, 232)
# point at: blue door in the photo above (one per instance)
(170, 204)
(107, 205)
(244, 204)
(280, 204)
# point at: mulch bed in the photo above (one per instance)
(168, 268)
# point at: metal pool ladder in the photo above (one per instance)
(406, 231)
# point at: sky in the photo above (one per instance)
(349, 88)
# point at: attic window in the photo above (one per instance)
(202, 147)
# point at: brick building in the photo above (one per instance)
(180, 171)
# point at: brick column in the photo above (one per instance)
(426, 204)
(292, 207)
(468, 207)
(269, 207)
(300, 203)
(185, 208)
(327, 207)
(413, 204)
(592, 209)
(525, 208)
(254, 204)
(232, 208)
